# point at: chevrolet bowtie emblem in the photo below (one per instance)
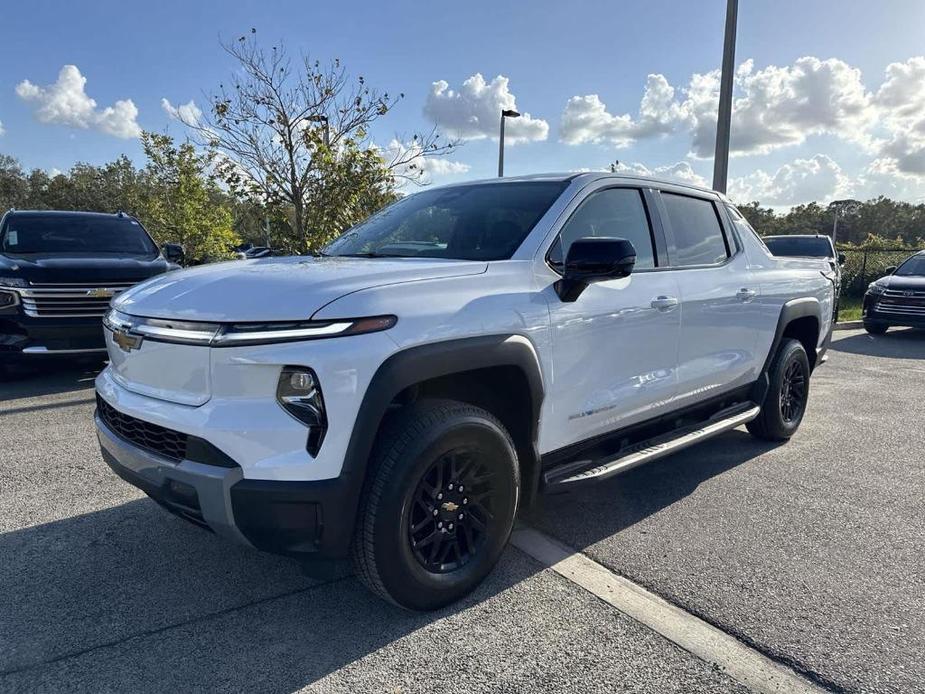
(449, 507)
(100, 293)
(125, 341)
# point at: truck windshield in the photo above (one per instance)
(62, 233)
(468, 222)
(811, 247)
(913, 267)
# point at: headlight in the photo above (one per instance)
(238, 334)
(13, 282)
(299, 393)
(876, 289)
(8, 299)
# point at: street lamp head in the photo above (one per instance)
(509, 113)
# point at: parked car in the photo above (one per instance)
(897, 299)
(58, 272)
(810, 246)
(452, 357)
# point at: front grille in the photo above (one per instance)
(903, 302)
(917, 293)
(157, 439)
(70, 300)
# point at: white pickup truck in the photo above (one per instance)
(398, 398)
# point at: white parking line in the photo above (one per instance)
(744, 664)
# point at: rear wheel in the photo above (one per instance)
(785, 402)
(876, 328)
(439, 504)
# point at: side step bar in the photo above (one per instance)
(647, 451)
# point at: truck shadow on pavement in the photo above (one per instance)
(131, 598)
(897, 343)
(599, 511)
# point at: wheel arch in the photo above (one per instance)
(800, 319)
(463, 369)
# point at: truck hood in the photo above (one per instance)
(276, 289)
(80, 268)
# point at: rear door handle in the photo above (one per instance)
(746, 294)
(664, 303)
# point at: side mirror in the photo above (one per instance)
(594, 259)
(890, 270)
(173, 252)
(841, 258)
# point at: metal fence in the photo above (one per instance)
(864, 266)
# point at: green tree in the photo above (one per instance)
(181, 203)
(14, 188)
(294, 136)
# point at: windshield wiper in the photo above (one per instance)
(370, 254)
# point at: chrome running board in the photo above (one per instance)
(649, 450)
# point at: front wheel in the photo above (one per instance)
(438, 506)
(785, 403)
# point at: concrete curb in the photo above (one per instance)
(849, 325)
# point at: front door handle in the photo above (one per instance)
(746, 294)
(664, 303)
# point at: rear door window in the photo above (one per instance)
(698, 234)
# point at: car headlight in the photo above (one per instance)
(8, 299)
(299, 393)
(876, 289)
(237, 334)
(13, 282)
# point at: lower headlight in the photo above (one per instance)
(8, 299)
(299, 393)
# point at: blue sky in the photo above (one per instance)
(834, 126)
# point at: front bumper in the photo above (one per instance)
(27, 337)
(283, 517)
(873, 313)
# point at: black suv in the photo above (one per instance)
(897, 299)
(58, 272)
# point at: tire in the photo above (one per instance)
(876, 328)
(398, 550)
(785, 403)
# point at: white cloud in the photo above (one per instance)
(772, 108)
(422, 169)
(65, 102)
(586, 119)
(680, 171)
(818, 178)
(473, 111)
(187, 113)
(2, 129)
(901, 100)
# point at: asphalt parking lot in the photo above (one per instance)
(811, 553)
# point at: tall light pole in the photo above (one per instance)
(721, 155)
(324, 124)
(505, 113)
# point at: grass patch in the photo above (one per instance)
(849, 309)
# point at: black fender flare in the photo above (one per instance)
(789, 312)
(424, 362)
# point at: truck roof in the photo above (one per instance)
(589, 176)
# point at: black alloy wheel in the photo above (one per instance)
(452, 510)
(793, 392)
